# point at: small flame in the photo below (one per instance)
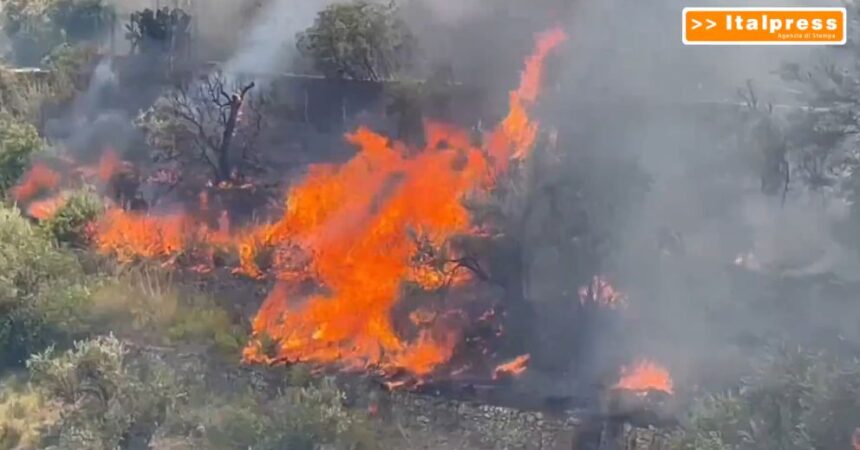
(109, 165)
(855, 439)
(38, 179)
(45, 209)
(645, 375)
(514, 367)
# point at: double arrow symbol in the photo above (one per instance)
(698, 24)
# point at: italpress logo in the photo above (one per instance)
(764, 26)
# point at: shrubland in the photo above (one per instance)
(91, 350)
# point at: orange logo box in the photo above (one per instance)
(764, 26)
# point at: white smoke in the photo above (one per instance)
(269, 45)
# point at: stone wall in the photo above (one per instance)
(428, 422)
(481, 426)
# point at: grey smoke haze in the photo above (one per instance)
(269, 44)
(627, 55)
(625, 79)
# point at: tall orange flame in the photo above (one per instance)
(350, 230)
(354, 221)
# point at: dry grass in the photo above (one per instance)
(160, 311)
(145, 298)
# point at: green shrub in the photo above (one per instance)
(22, 94)
(24, 413)
(71, 221)
(43, 290)
(108, 399)
(18, 143)
(111, 397)
(160, 310)
(29, 29)
(298, 419)
(143, 300)
(208, 324)
(36, 27)
(70, 66)
(795, 400)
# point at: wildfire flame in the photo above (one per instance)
(645, 375)
(42, 179)
(855, 439)
(110, 165)
(38, 179)
(349, 231)
(130, 235)
(513, 367)
(355, 220)
(45, 209)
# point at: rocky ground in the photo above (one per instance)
(436, 422)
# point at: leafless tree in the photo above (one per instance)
(214, 117)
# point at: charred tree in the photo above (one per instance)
(220, 124)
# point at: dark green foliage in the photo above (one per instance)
(795, 400)
(360, 40)
(301, 418)
(159, 31)
(112, 395)
(81, 20)
(70, 67)
(18, 143)
(43, 294)
(108, 401)
(36, 27)
(821, 137)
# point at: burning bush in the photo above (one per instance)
(355, 219)
(72, 222)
